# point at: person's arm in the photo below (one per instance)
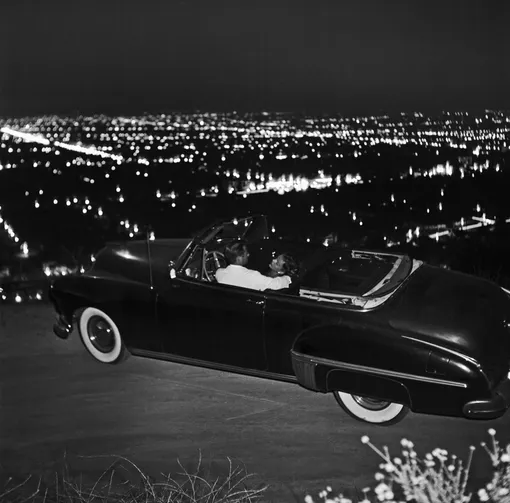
(260, 282)
(220, 274)
(279, 282)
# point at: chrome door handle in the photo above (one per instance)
(258, 302)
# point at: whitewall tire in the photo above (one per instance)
(371, 410)
(100, 336)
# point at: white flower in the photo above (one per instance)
(503, 491)
(397, 461)
(492, 432)
(308, 499)
(430, 464)
(389, 468)
(379, 476)
(345, 500)
(428, 456)
(329, 489)
(389, 495)
(381, 488)
(365, 439)
(482, 494)
(505, 458)
(404, 442)
(451, 468)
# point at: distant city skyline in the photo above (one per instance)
(364, 57)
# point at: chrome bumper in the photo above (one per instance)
(491, 408)
(62, 328)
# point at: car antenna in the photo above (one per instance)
(149, 255)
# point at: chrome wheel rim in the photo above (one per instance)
(370, 403)
(101, 334)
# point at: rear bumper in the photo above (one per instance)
(491, 408)
(62, 327)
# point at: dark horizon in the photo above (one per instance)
(475, 112)
(134, 57)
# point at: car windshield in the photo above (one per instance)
(355, 272)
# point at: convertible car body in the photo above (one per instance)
(383, 332)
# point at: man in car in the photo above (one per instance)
(236, 274)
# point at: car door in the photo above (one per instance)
(214, 323)
(286, 316)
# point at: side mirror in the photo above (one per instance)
(171, 269)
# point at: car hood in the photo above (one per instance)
(455, 310)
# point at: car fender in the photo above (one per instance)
(334, 357)
(123, 300)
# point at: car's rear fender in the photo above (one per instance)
(363, 340)
(323, 375)
(424, 395)
(372, 360)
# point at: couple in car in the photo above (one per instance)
(282, 270)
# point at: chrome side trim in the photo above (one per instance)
(213, 366)
(381, 372)
(442, 348)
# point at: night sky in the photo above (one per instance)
(348, 57)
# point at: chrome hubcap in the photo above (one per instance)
(370, 403)
(101, 334)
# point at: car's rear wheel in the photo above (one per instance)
(371, 410)
(101, 336)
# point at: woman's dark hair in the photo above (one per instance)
(234, 250)
(290, 266)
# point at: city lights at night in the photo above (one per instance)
(117, 171)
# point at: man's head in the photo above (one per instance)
(237, 253)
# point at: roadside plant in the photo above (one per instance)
(124, 482)
(437, 478)
(498, 489)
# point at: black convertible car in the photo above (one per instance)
(383, 332)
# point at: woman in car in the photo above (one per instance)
(283, 265)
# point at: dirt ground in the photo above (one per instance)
(56, 399)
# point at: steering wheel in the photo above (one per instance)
(213, 260)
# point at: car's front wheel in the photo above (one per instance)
(101, 336)
(371, 410)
